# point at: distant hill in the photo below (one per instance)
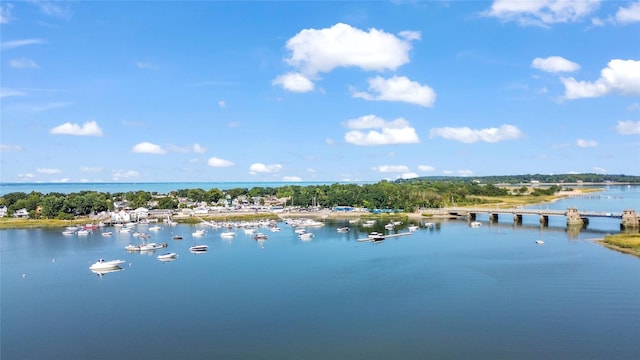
(529, 178)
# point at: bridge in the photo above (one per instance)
(630, 219)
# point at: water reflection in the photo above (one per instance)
(103, 272)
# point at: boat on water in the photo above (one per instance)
(107, 233)
(375, 236)
(103, 264)
(475, 224)
(413, 227)
(152, 246)
(198, 233)
(177, 237)
(198, 248)
(306, 236)
(83, 232)
(69, 232)
(227, 234)
(539, 242)
(155, 228)
(132, 247)
(343, 229)
(260, 236)
(167, 256)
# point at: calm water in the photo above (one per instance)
(448, 292)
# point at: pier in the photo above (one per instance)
(629, 219)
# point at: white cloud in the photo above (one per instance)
(426, 168)
(630, 14)
(398, 88)
(541, 12)
(464, 172)
(18, 43)
(26, 176)
(5, 13)
(294, 82)
(217, 162)
(598, 169)
(586, 143)
(63, 180)
(222, 104)
(554, 64)
(291, 178)
(628, 127)
(22, 63)
(90, 128)
(409, 175)
(397, 131)
(620, 76)
(147, 148)
(54, 8)
(262, 168)
(7, 148)
(5, 92)
(196, 148)
(91, 169)
(48, 171)
(146, 66)
(468, 135)
(391, 168)
(124, 174)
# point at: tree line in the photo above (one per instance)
(397, 196)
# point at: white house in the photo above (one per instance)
(141, 213)
(3, 211)
(22, 213)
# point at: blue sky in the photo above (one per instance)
(317, 91)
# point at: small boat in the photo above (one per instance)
(412, 228)
(167, 256)
(152, 246)
(107, 233)
(475, 224)
(155, 228)
(227, 234)
(132, 247)
(68, 232)
(199, 248)
(306, 236)
(103, 264)
(260, 236)
(539, 242)
(274, 229)
(83, 232)
(343, 229)
(177, 237)
(429, 224)
(198, 233)
(375, 236)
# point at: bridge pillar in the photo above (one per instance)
(517, 219)
(471, 216)
(630, 220)
(573, 217)
(493, 217)
(544, 220)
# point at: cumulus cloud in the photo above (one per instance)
(294, 82)
(398, 88)
(118, 175)
(397, 131)
(48, 171)
(629, 14)
(586, 143)
(554, 64)
(314, 51)
(89, 128)
(541, 12)
(409, 175)
(391, 168)
(426, 168)
(628, 127)
(22, 63)
(217, 162)
(147, 148)
(620, 76)
(262, 168)
(468, 135)
(291, 178)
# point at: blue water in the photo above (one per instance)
(447, 292)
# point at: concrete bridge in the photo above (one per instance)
(630, 219)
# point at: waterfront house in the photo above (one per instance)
(3, 211)
(22, 213)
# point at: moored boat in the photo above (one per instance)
(198, 248)
(103, 264)
(167, 256)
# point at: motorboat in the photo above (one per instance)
(539, 242)
(198, 233)
(429, 224)
(132, 247)
(155, 228)
(389, 226)
(274, 229)
(152, 246)
(177, 237)
(103, 264)
(375, 236)
(260, 236)
(306, 236)
(343, 229)
(103, 272)
(198, 248)
(475, 224)
(83, 232)
(227, 234)
(412, 228)
(167, 256)
(68, 232)
(107, 233)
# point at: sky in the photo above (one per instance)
(144, 91)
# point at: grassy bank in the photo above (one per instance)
(13, 223)
(626, 243)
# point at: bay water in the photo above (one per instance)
(448, 291)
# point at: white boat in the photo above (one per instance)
(539, 242)
(227, 234)
(83, 232)
(198, 233)
(306, 236)
(107, 233)
(167, 256)
(132, 247)
(389, 226)
(412, 228)
(155, 228)
(199, 248)
(375, 236)
(475, 224)
(274, 229)
(343, 229)
(68, 232)
(103, 264)
(260, 236)
(152, 246)
(429, 224)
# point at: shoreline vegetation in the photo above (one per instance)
(625, 243)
